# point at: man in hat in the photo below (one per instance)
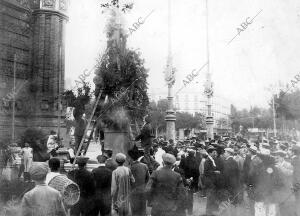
(285, 172)
(84, 179)
(252, 153)
(146, 136)
(165, 188)
(42, 199)
(191, 171)
(141, 175)
(102, 176)
(231, 175)
(211, 173)
(122, 179)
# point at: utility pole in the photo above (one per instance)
(274, 116)
(59, 90)
(14, 99)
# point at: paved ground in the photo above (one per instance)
(93, 151)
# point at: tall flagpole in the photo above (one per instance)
(14, 99)
(59, 90)
(170, 79)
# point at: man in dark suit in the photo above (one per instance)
(141, 175)
(146, 136)
(191, 170)
(231, 175)
(211, 173)
(165, 188)
(85, 181)
(102, 177)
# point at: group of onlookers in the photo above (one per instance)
(252, 177)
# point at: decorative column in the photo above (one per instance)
(208, 91)
(170, 80)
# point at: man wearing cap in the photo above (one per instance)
(122, 179)
(165, 188)
(102, 176)
(252, 153)
(231, 175)
(42, 199)
(84, 179)
(141, 175)
(252, 161)
(285, 172)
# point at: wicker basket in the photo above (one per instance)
(69, 190)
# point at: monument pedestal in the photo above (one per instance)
(117, 140)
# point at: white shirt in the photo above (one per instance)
(158, 155)
(50, 176)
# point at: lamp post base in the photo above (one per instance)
(170, 119)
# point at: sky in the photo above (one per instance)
(263, 54)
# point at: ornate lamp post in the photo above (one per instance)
(208, 87)
(170, 80)
(208, 91)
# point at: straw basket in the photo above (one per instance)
(68, 189)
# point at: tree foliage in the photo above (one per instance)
(36, 138)
(122, 78)
(287, 105)
(255, 116)
(78, 98)
(158, 114)
(188, 121)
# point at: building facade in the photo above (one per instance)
(196, 102)
(32, 35)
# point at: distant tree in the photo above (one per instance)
(257, 117)
(199, 119)
(158, 114)
(189, 121)
(284, 105)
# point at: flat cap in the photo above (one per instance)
(38, 170)
(280, 153)
(253, 148)
(120, 158)
(168, 158)
(230, 150)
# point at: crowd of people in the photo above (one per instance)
(234, 176)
